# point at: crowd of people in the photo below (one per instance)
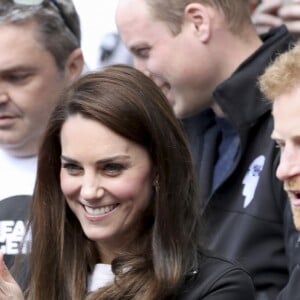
(174, 176)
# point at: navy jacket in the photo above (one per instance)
(247, 216)
(292, 289)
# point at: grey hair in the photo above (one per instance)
(58, 30)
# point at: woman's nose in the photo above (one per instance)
(91, 189)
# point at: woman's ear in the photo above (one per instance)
(155, 183)
(155, 178)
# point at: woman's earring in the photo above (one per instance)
(156, 184)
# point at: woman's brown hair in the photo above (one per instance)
(130, 104)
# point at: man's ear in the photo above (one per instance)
(74, 65)
(200, 17)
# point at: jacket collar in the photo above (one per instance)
(239, 96)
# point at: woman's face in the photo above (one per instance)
(106, 179)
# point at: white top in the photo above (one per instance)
(17, 175)
(102, 275)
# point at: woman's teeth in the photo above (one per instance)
(100, 210)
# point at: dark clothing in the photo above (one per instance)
(247, 215)
(227, 150)
(13, 221)
(292, 290)
(217, 279)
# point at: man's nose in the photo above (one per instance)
(289, 165)
(139, 64)
(3, 95)
(158, 80)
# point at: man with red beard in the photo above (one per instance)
(280, 84)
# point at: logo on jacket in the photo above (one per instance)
(251, 179)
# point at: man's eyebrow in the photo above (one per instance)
(16, 69)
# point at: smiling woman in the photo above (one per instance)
(107, 182)
(115, 213)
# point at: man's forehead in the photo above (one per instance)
(20, 47)
(132, 19)
(21, 34)
(24, 30)
(127, 8)
(128, 3)
(286, 111)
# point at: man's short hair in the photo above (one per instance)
(236, 12)
(58, 25)
(282, 75)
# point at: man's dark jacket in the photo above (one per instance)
(247, 216)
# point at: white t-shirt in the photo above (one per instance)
(102, 275)
(17, 175)
(17, 179)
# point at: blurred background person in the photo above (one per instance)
(101, 43)
(39, 55)
(272, 13)
(113, 51)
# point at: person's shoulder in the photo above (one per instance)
(292, 289)
(219, 278)
(214, 264)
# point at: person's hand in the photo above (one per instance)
(265, 15)
(290, 14)
(9, 289)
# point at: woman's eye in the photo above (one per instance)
(113, 169)
(71, 168)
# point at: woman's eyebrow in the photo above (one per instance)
(100, 161)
